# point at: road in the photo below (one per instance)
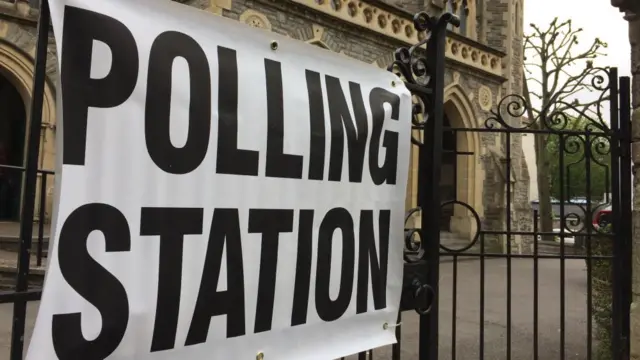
(467, 313)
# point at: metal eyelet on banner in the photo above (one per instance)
(274, 45)
(386, 326)
(260, 356)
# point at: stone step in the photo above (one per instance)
(10, 237)
(9, 270)
(12, 244)
(456, 242)
(10, 286)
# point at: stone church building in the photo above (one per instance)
(484, 63)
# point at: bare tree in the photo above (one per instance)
(558, 75)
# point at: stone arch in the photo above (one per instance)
(17, 66)
(469, 172)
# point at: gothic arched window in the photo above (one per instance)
(464, 18)
(449, 8)
(461, 9)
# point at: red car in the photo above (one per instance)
(602, 218)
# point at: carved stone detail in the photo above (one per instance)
(255, 19)
(368, 16)
(474, 57)
(456, 77)
(400, 27)
(485, 98)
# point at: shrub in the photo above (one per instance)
(602, 294)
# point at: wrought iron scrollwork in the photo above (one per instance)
(423, 293)
(476, 217)
(412, 238)
(558, 113)
(589, 142)
(417, 66)
(417, 294)
(586, 147)
(412, 65)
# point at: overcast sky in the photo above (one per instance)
(598, 19)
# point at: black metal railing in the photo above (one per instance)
(11, 180)
(504, 243)
(429, 304)
(22, 293)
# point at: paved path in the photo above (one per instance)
(6, 312)
(468, 310)
(495, 328)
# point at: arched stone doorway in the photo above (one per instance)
(448, 174)
(13, 122)
(16, 76)
(462, 175)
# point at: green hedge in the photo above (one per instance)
(602, 295)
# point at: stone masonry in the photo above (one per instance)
(498, 24)
(484, 62)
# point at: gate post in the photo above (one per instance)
(634, 37)
(625, 247)
(30, 181)
(423, 74)
(429, 166)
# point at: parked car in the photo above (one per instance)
(602, 218)
(569, 239)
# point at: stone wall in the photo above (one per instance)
(476, 90)
(500, 26)
(412, 6)
(496, 23)
(297, 22)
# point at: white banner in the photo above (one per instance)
(222, 192)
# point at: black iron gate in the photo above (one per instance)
(427, 290)
(585, 259)
(34, 181)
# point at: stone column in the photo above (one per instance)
(634, 38)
